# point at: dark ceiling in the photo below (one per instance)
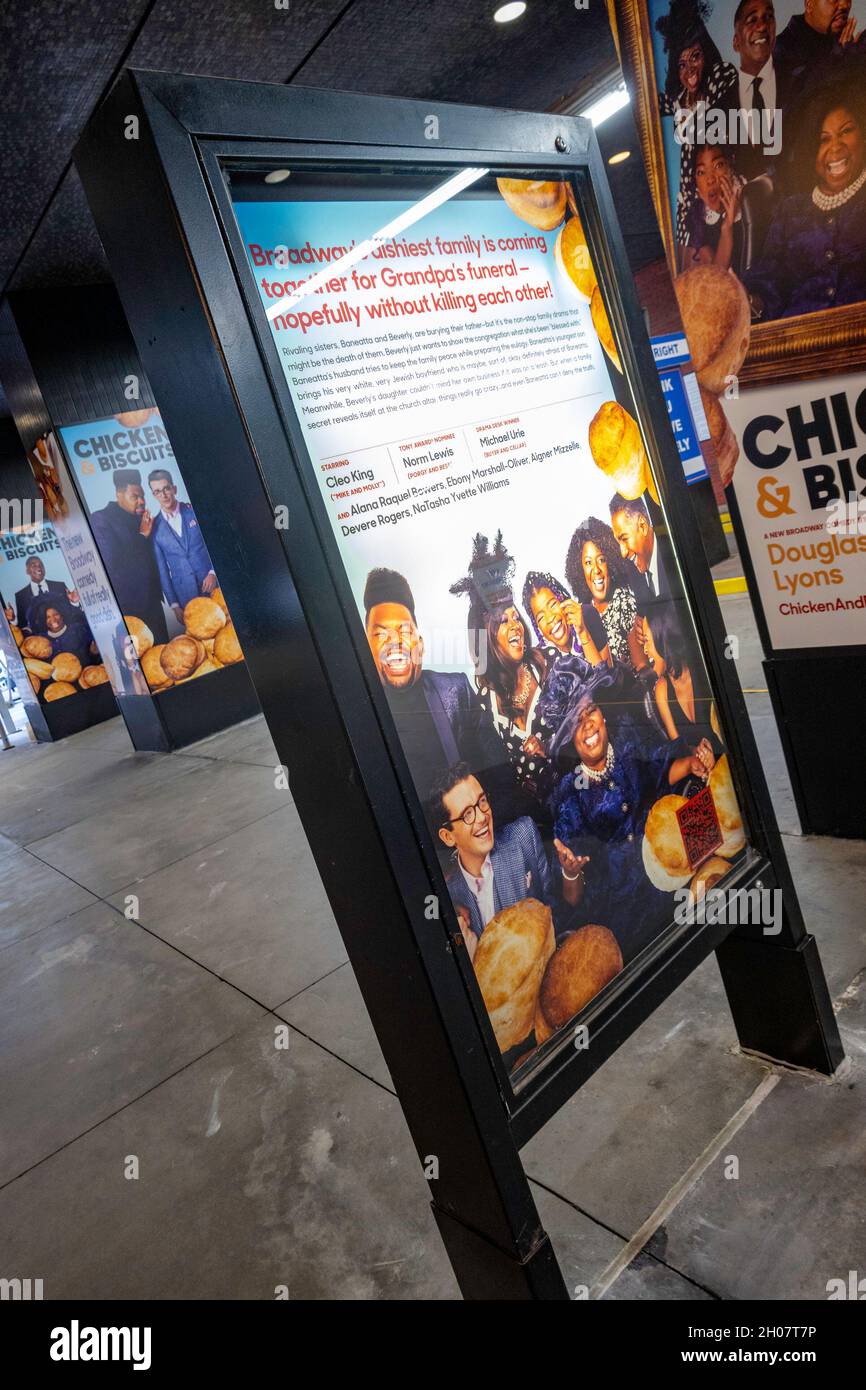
(59, 57)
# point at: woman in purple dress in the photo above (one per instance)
(814, 256)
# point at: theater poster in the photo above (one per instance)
(753, 131)
(45, 615)
(800, 488)
(474, 442)
(152, 547)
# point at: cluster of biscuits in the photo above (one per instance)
(545, 206)
(665, 857)
(614, 437)
(714, 308)
(56, 676)
(208, 642)
(529, 983)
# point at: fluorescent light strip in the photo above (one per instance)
(606, 106)
(358, 253)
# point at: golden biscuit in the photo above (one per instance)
(617, 447)
(205, 668)
(583, 964)
(38, 647)
(17, 634)
(540, 204)
(142, 637)
(571, 254)
(727, 809)
(58, 690)
(151, 667)
(217, 597)
(718, 321)
(659, 877)
(227, 648)
(664, 836)
(134, 419)
(515, 947)
(601, 324)
(180, 657)
(725, 442)
(707, 876)
(42, 669)
(93, 675)
(66, 667)
(35, 682)
(203, 618)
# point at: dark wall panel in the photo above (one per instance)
(84, 349)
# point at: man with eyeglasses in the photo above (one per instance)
(494, 870)
(185, 569)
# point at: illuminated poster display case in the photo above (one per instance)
(471, 594)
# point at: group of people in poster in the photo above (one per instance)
(151, 555)
(49, 608)
(589, 703)
(154, 557)
(771, 129)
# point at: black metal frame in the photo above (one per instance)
(165, 218)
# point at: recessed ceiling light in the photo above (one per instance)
(506, 13)
(277, 175)
(619, 158)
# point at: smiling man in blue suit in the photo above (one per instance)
(185, 568)
(493, 870)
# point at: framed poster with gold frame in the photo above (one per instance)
(799, 347)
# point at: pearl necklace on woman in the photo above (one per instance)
(828, 201)
(600, 774)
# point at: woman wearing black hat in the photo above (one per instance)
(509, 670)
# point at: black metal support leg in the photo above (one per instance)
(780, 1001)
(485, 1271)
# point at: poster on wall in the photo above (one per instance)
(753, 124)
(763, 130)
(152, 547)
(87, 573)
(801, 493)
(489, 491)
(43, 609)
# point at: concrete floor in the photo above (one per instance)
(150, 1044)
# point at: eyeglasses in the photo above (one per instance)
(469, 813)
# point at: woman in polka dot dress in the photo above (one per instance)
(509, 670)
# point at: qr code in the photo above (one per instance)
(699, 827)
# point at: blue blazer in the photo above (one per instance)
(183, 560)
(520, 870)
